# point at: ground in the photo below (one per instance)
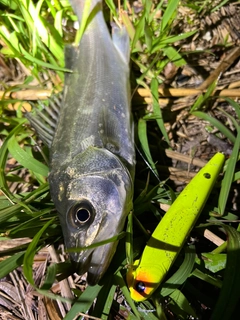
(185, 81)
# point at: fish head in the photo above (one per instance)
(93, 208)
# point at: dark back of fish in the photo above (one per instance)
(96, 97)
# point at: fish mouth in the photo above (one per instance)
(95, 262)
(82, 264)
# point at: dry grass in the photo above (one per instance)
(212, 57)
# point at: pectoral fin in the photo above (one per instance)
(45, 121)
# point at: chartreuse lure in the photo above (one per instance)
(169, 236)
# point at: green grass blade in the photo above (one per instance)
(207, 278)
(14, 209)
(10, 264)
(232, 119)
(162, 42)
(105, 297)
(213, 262)
(50, 277)
(131, 31)
(148, 36)
(120, 281)
(224, 130)
(32, 34)
(40, 62)
(3, 158)
(111, 5)
(31, 250)
(37, 26)
(53, 296)
(98, 244)
(9, 212)
(228, 177)
(157, 110)
(142, 135)
(18, 51)
(84, 21)
(84, 302)
(129, 239)
(9, 3)
(58, 22)
(217, 7)
(236, 176)
(169, 14)
(53, 7)
(201, 100)
(235, 105)
(174, 56)
(25, 159)
(108, 303)
(230, 293)
(181, 275)
(139, 31)
(181, 305)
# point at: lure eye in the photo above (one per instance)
(207, 175)
(140, 287)
(81, 213)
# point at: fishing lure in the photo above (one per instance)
(169, 236)
(91, 143)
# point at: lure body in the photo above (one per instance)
(92, 157)
(169, 236)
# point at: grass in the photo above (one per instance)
(204, 281)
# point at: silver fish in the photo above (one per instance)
(92, 157)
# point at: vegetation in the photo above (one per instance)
(204, 282)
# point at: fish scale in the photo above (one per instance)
(92, 156)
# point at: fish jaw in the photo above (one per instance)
(92, 207)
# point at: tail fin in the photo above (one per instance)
(79, 6)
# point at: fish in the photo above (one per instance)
(90, 135)
(164, 245)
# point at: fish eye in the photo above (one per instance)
(140, 286)
(81, 213)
